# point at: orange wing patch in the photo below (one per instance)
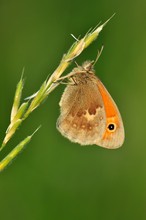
(112, 113)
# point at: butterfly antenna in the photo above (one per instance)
(98, 55)
(76, 63)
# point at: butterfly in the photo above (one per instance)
(88, 114)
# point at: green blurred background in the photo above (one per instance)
(54, 178)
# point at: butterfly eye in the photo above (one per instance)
(111, 127)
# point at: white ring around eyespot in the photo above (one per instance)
(114, 127)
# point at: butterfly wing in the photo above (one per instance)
(114, 134)
(89, 115)
(82, 118)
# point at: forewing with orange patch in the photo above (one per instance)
(113, 136)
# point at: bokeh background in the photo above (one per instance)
(54, 178)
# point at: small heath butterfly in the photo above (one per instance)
(89, 115)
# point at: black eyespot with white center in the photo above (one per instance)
(111, 127)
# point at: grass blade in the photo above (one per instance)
(17, 150)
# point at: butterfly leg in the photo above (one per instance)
(68, 77)
(65, 77)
